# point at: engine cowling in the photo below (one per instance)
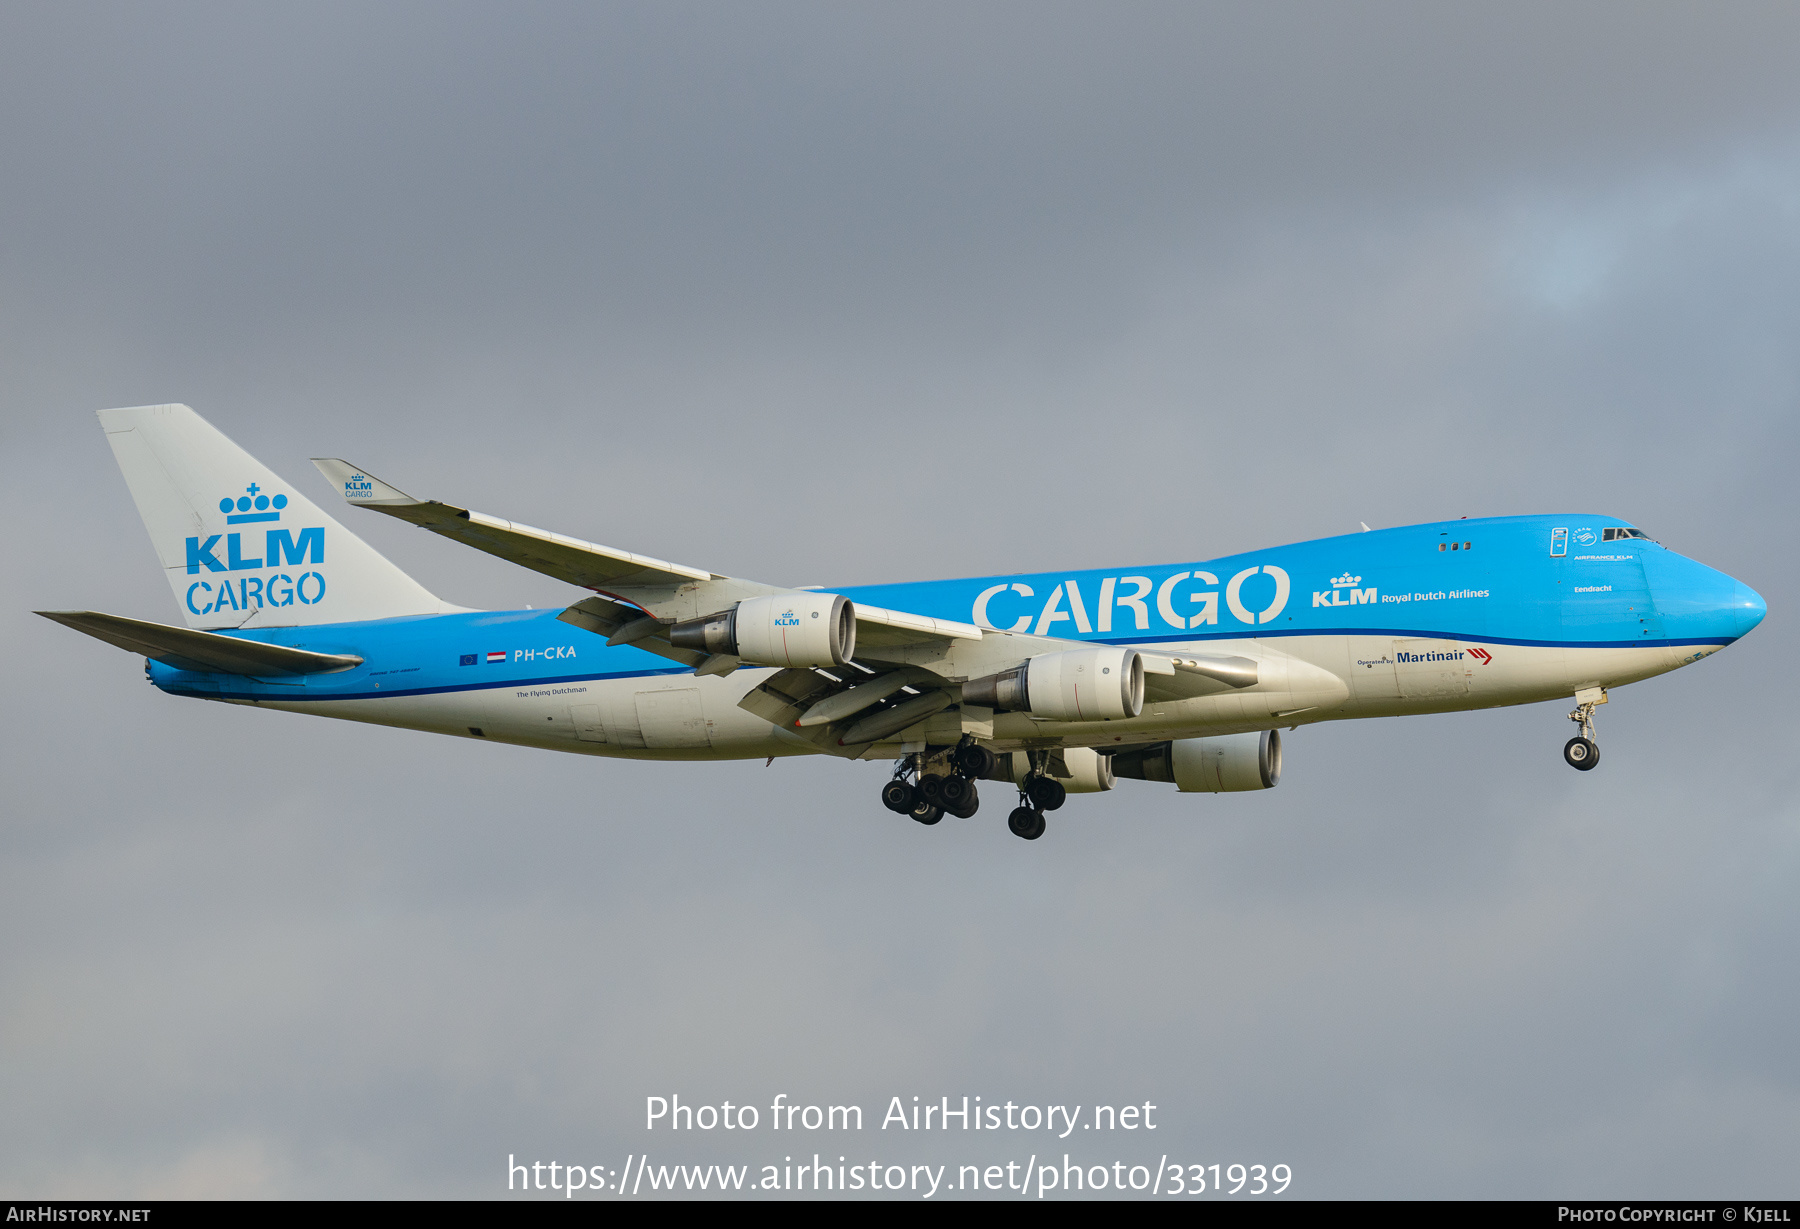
(1097, 684)
(1090, 772)
(794, 629)
(1225, 764)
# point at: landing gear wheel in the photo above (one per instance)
(975, 761)
(927, 813)
(954, 792)
(1026, 822)
(899, 796)
(969, 807)
(1047, 792)
(931, 790)
(1581, 753)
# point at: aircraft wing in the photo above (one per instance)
(587, 564)
(639, 580)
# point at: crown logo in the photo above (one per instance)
(253, 505)
(1346, 579)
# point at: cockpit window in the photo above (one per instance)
(1613, 535)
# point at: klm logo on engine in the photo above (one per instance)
(277, 548)
(1341, 585)
(788, 619)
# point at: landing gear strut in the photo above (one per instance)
(943, 783)
(1582, 751)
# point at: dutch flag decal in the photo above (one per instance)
(494, 657)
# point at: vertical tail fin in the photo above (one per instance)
(240, 547)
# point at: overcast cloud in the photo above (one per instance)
(837, 294)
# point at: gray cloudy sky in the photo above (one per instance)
(842, 293)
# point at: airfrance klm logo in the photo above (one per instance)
(1335, 595)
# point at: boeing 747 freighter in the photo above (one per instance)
(1051, 683)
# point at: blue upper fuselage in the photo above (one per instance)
(1530, 580)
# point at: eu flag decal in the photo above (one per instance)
(468, 659)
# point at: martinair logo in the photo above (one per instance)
(1482, 655)
(279, 547)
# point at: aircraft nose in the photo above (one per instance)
(1747, 608)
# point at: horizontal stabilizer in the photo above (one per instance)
(186, 649)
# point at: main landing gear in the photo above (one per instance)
(1040, 792)
(943, 783)
(931, 784)
(1581, 751)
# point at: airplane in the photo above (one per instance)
(1047, 684)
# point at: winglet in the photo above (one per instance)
(358, 486)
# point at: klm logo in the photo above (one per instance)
(1342, 585)
(788, 619)
(253, 505)
(277, 548)
(358, 486)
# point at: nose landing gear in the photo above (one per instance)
(1582, 751)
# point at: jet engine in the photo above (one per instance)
(1208, 765)
(793, 629)
(1090, 771)
(1098, 684)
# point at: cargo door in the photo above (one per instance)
(672, 718)
(1432, 669)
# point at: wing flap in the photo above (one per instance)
(876, 625)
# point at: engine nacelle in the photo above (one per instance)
(1098, 684)
(1208, 765)
(1090, 772)
(795, 629)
